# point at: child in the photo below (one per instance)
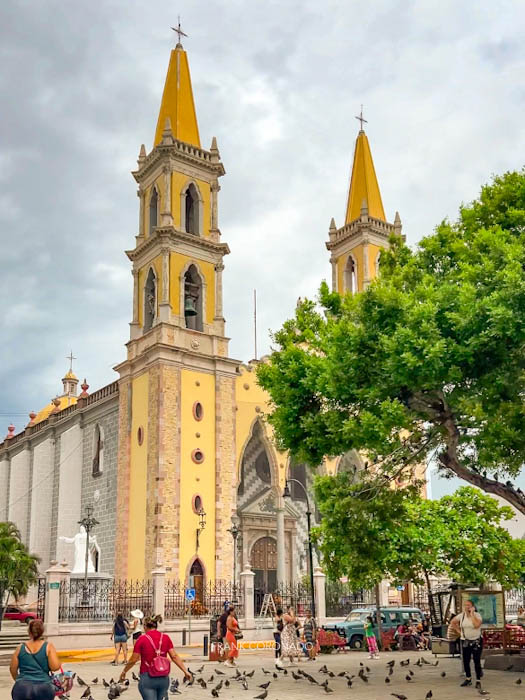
(371, 639)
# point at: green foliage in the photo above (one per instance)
(18, 568)
(428, 360)
(369, 532)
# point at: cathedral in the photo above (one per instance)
(174, 456)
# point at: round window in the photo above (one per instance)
(197, 456)
(140, 435)
(198, 411)
(197, 504)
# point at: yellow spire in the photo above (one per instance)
(177, 101)
(363, 184)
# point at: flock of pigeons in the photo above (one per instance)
(221, 681)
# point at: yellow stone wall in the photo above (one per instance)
(197, 478)
(179, 181)
(138, 478)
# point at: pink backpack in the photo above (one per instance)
(160, 666)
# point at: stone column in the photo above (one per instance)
(54, 576)
(334, 274)
(164, 306)
(281, 549)
(134, 325)
(320, 597)
(247, 579)
(141, 195)
(166, 216)
(158, 576)
(219, 268)
(215, 187)
(366, 271)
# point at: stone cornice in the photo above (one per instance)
(360, 227)
(169, 236)
(179, 151)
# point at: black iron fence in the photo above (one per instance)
(514, 599)
(102, 600)
(209, 599)
(296, 595)
(41, 598)
(341, 599)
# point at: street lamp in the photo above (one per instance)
(88, 523)
(287, 494)
(202, 525)
(234, 532)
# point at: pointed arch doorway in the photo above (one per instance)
(196, 580)
(264, 564)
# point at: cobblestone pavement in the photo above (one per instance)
(501, 685)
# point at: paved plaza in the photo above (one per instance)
(501, 685)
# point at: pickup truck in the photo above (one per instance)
(352, 628)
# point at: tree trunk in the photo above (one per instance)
(378, 613)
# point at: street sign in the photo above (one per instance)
(190, 594)
(53, 585)
(400, 588)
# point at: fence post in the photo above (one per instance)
(158, 577)
(54, 576)
(320, 595)
(247, 577)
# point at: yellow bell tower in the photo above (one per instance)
(176, 468)
(356, 246)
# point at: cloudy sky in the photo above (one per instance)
(278, 84)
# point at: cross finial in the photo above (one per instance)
(361, 118)
(179, 31)
(70, 357)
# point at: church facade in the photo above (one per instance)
(175, 451)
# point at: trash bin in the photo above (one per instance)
(215, 642)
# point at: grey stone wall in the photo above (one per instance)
(101, 491)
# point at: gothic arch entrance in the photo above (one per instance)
(196, 580)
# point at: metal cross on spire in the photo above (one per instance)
(179, 31)
(361, 118)
(70, 357)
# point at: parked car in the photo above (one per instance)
(352, 628)
(14, 612)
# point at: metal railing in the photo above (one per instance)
(209, 599)
(102, 600)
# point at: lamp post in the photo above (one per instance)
(88, 523)
(235, 532)
(287, 494)
(202, 525)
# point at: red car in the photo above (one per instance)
(13, 612)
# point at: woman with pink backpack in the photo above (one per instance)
(155, 651)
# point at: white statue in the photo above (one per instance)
(79, 540)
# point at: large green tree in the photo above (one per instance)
(369, 532)
(428, 361)
(18, 568)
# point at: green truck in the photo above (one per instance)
(352, 628)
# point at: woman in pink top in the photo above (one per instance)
(153, 687)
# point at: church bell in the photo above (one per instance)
(189, 307)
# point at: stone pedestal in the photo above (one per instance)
(247, 579)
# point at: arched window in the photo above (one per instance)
(150, 300)
(351, 275)
(153, 210)
(378, 260)
(298, 472)
(193, 299)
(191, 209)
(255, 465)
(98, 451)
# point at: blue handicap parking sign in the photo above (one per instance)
(190, 594)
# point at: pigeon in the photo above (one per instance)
(264, 685)
(436, 663)
(327, 689)
(245, 685)
(323, 669)
(106, 684)
(518, 682)
(215, 693)
(323, 685)
(86, 693)
(331, 674)
(428, 695)
(262, 696)
(295, 676)
(349, 682)
(387, 680)
(399, 696)
(405, 663)
(218, 686)
(203, 683)
(367, 669)
(94, 681)
(174, 684)
(340, 675)
(411, 673)
(509, 668)
(201, 669)
(226, 683)
(443, 674)
(250, 675)
(219, 672)
(285, 672)
(266, 673)
(275, 675)
(408, 678)
(424, 661)
(391, 663)
(80, 681)
(210, 679)
(419, 663)
(390, 670)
